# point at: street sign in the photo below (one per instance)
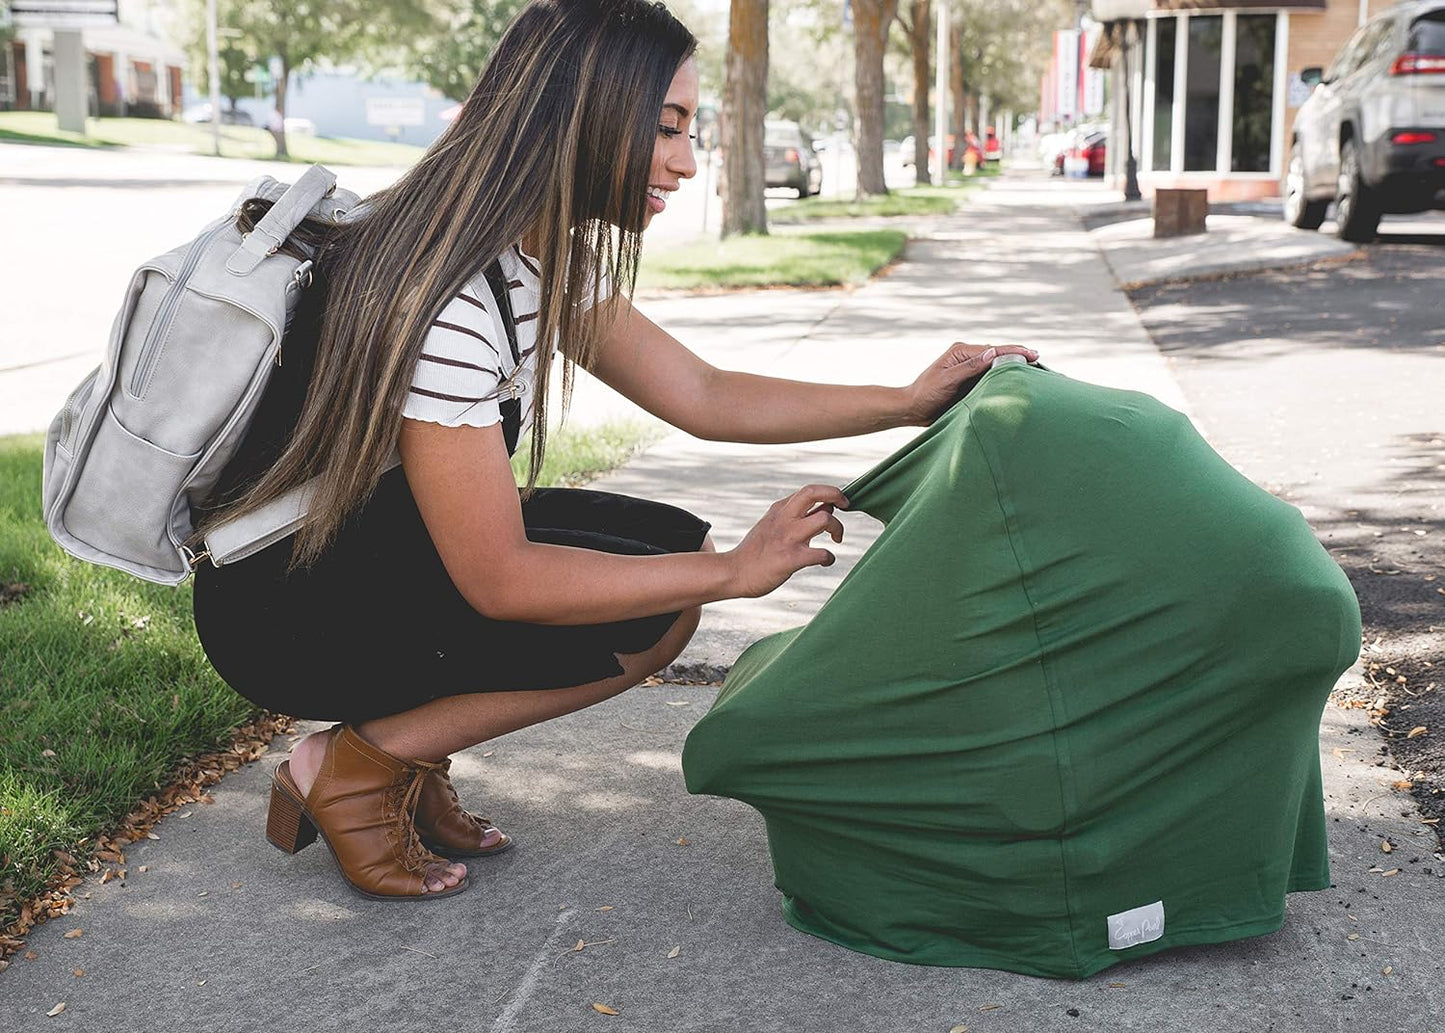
(395, 112)
(63, 14)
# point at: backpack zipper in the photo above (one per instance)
(167, 308)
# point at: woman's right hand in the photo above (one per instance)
(780, 544)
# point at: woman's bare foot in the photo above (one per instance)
(306, 757)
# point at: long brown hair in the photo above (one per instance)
(555, 141)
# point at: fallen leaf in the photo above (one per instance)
(959, 1029)
(152, 835)
(74, 934)
(490, 753)
(607, 907)
(30, 955)
(1402, 784)
(107, 876)
(1387, 970)
(1353, 936)
(78, 972)
(1416, 732)
(236, 885)
(1340, 752)
(1386, 845)
(1117, 986)
(1429, 821)
(47, 753)
(991, 1007)
(675, 951)
(1392, 871)
(580, 945)
(604, 1009)
(682, 841)
(144, 868)
(203, 893)
(677, 702)
(55, 1011)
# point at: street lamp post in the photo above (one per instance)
(1131, 162)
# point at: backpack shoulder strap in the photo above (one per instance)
(285, 215)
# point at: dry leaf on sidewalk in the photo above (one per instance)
(55, 1011)
(604, 1009)
(1416, 732)
(74, 934)
(675, 951)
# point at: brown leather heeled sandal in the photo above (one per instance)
(447, 828)
(362, 803)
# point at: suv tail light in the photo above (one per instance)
(1413, 137)
(791, 157)
(1418, 64)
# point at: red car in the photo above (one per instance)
(1084, 157)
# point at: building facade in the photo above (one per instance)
(1206, 90)
(130, 72)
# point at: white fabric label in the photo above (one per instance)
(1141, 925)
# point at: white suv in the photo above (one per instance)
(1371, 137)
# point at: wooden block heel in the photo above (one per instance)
(287, 827)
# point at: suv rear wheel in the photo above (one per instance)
(1299, 212)
(1357, 212)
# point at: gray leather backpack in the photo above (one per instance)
(146, 435)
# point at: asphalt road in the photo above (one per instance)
(1325, 385)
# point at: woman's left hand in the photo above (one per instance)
(938, 385)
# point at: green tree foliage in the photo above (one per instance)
(451, 58)
(302, 34)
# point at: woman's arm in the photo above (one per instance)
(648, 365)
(463, 486)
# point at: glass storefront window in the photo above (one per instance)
(1201, 99)
(1253, 116)
(1165, 29)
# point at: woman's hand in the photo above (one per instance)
(938, 385)
(781, 542)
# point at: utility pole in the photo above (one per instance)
(940, 96)
(213, 70)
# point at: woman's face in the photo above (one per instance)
(672, 158)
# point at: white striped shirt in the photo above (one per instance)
(466, 367)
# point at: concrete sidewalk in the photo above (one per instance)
(222, 932)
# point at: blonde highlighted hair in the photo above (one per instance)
(555, 142)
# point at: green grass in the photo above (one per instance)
(236, 141)
(815, 259)
(104, 688)
(575, 457)
(907, 201)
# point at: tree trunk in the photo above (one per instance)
(871, 19)
(918, 45)
(745, 105)
(958, 87)
(278, 130)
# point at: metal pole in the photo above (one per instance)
(213, 69)
(940, 96)
(1131, 162)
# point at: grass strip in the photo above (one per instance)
(106, 697)
(813, 259)
(943, 200)
(39, 127)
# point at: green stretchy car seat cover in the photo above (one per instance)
(1063, 713)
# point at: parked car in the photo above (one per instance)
(789, 158)
(1371, 137)
(200, 114)
(908, 149)
(1084, 153)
